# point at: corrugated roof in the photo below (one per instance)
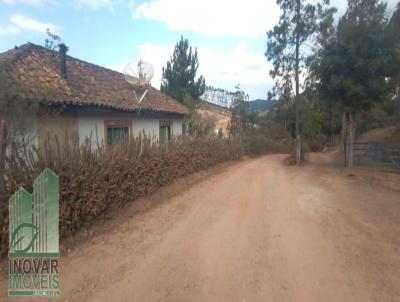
(35, 71)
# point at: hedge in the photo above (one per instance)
(94, 182)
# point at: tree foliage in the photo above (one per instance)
(393, 31)
(354, 65)
(288, 46)
(287, 49)
(52, 41)
(179, 76)
(241, 119)
(218, 96)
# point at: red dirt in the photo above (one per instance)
(258, 230)
(377, 135)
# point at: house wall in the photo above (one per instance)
(151, 128)
(91, 126)
(57, 125)
(23, 135)
(177, 127)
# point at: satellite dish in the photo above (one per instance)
(138, 72)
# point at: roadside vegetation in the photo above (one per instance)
(93, 182)
(348, 70)
(96, 179)
(333, 79)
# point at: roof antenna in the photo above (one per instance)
(139, 73)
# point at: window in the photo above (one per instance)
(165, 132)
(117, 132)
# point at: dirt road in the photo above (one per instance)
(256, 231)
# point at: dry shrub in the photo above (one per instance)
(395, 137)
(256, 144)
(94, 182)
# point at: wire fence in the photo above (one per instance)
(377, 154)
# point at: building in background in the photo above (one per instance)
(79, 98)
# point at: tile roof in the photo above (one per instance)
(34, 72)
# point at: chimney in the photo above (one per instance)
(63, 60)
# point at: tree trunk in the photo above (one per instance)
(350, 146)
(296, 102)
(343, 134)
(3, 147)
(330, 126)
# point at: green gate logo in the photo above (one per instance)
(34, 236)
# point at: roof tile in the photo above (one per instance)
(36, 69)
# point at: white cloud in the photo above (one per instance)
(222, 69)
(97, 4)
(28, 2)
(238, 65)
(22, 22)
(157, 56)
(9, 29)
(218, 18)
(246, 19)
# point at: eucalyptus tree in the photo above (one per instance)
(239, 108)
(288, 48)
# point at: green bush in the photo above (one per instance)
(374, 118)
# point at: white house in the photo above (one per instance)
(92, 101)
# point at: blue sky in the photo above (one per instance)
(229, 34)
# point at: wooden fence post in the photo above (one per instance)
(350, 144)
(343, 133)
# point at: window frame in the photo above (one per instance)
(165, 122)
(109, 123)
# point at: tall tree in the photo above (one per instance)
(328, 104)
(393, 31)
(239, 108)
(396, 26)
(287, 49)
(179, 76)
(218, 96)
(354, 66)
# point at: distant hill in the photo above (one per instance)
(261, 105)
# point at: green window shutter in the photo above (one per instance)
(165, 134)
(117, 135)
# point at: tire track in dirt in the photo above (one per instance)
(257, 231)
